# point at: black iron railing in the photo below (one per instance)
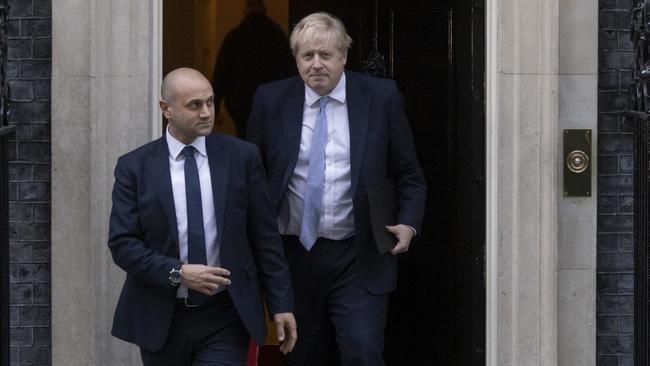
(639, 111)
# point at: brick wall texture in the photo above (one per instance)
(29, 70)
(615, 261)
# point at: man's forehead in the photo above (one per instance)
(193, 89)
(318, 45)
(200, 95)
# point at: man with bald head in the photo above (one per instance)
(193, 227)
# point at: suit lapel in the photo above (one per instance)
(159, 166)
(219, 170)
(292, 113)
(358, 113)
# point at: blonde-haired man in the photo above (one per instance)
(326, 137)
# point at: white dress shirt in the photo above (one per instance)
(337, 220)
(177, 170)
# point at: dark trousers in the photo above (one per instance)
(212, 334)
(332, 307)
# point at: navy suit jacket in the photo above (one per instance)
(381, 148)
(143, 239)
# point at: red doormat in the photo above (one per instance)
(252, 354)
(264, 356)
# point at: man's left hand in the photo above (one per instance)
(403, 234)
(285, 325)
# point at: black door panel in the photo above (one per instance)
(434, 50)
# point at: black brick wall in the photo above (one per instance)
(615, 261)
(29, 70)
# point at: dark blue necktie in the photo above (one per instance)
(195, 233)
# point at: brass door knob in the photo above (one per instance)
(577, 161)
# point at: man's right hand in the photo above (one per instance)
(204, 279)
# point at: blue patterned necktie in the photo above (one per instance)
(313, 196)
(195, 234)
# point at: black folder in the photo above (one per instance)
(383, 212)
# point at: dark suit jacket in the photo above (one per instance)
(143, 239)
(381, 148)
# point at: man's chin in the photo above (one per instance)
(319, 88)
(206, 130)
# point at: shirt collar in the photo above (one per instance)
(175, 146)
(338, 93)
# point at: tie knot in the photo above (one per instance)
(323, 101)
(188, 151)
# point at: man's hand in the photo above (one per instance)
(285, 325)
(404, 234)
(204, 279)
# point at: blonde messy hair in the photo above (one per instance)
(320, 27)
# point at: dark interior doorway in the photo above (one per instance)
(435, 52)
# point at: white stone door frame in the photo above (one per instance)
(540, 246)
(156, 65)
(541, 78)
(491, 176)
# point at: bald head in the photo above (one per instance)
(187, 102)
(175, 78)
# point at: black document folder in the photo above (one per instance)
(383, 212)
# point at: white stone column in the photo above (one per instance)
(578, 96)
(523, 183)
(541, 246)
(104, 81)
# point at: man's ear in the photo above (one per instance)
(165, 107)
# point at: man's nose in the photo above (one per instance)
(206, 111)
(317, 64)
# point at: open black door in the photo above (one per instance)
(435, 52)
